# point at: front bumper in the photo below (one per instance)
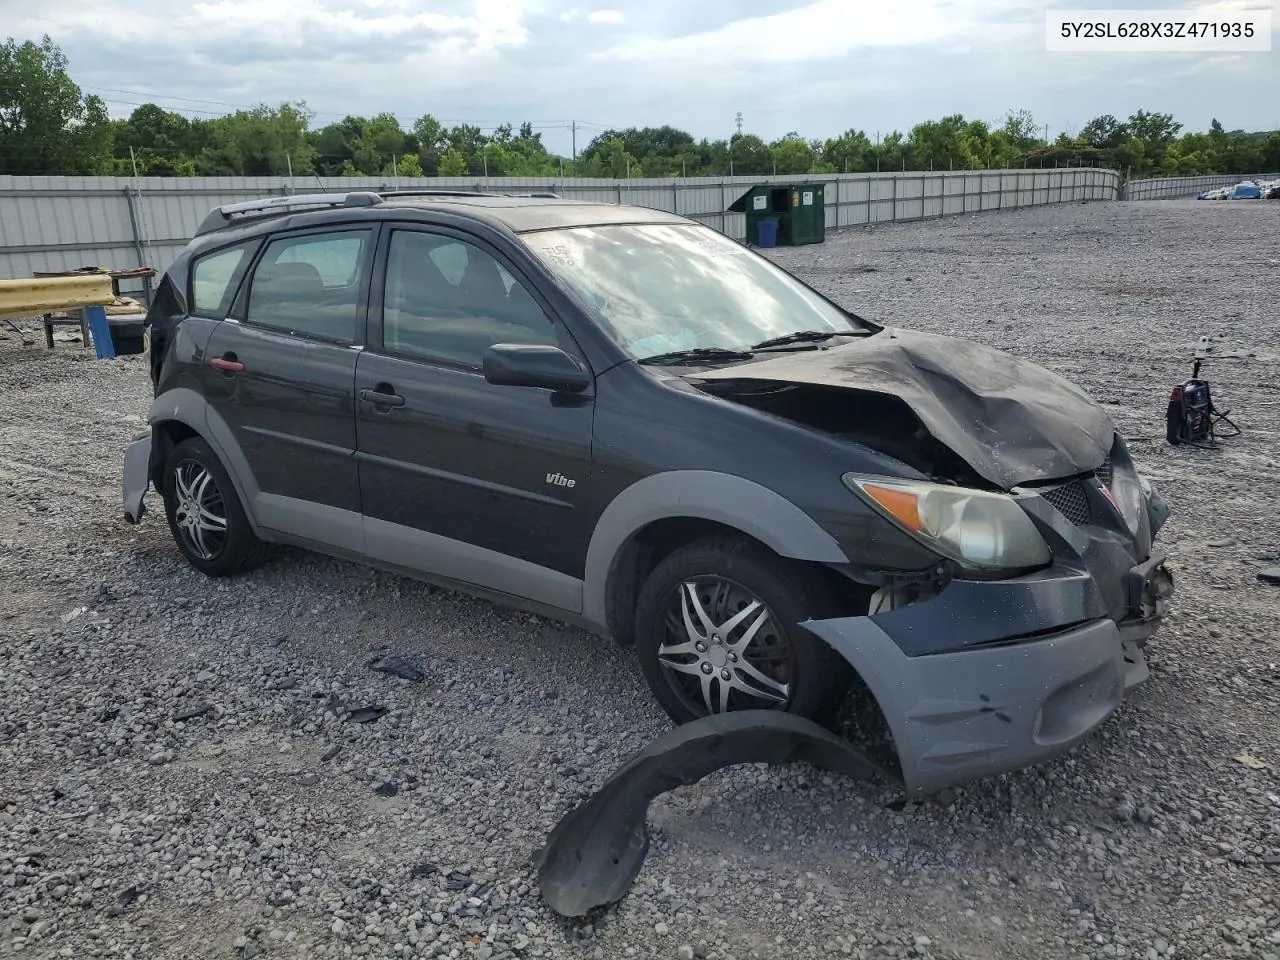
(990, 707)
(981, 712)
(137, 476)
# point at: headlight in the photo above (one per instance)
(981, 530)
(1126, 488)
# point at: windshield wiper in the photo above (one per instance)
(799, 336)
(712, 354)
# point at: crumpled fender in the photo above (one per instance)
(593, 854)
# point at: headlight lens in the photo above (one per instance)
(981, 530)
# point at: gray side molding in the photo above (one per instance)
(187, 406)
(707, 495)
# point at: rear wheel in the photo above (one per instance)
(205, 515)
(717, 630)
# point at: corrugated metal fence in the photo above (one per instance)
(61, 223)
(1165, 188)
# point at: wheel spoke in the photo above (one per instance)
(211, 521)
(182, 481)
(692, 669)
(741, 643)
(689, 597)
(707, 678)
(197, 537)
(201, 484)
(773, 690)
(726, 687)
(678, 649)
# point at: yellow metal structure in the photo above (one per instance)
(39, 295)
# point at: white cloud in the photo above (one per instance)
(828, 28)
(820, 67)
(292, 24)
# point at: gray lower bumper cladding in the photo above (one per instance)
(593, 854)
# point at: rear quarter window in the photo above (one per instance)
(212, 281)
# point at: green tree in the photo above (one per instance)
(851, 152)
(263, 141)
(409, 166)
(1104, 132)
(751, 155)
(160, 142)
(453, 163)
(46, 125)
(335, 145)
(790, 154)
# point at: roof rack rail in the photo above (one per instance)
(219, 217)
(437, 193)
(544, 194)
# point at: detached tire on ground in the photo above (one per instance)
(716, 630)
(205, 515)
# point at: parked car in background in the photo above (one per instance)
(1245, 190)
(623, 419)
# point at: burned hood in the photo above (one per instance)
(1010, 420)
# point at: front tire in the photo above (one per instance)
(205, 515)
(717, 630)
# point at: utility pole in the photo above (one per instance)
(738, 119)
(1046, 134)
(573, 125)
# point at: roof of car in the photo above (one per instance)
(540, 213)
(520, 214)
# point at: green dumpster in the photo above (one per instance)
(798, 208)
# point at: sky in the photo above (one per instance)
(816, 67)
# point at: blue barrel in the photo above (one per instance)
(768, 233)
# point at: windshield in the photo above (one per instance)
(665, 288)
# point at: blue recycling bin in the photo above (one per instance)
(768, 232)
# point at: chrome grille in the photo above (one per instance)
(1071, 501)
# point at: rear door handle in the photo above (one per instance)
(380, 399)
(227, 364)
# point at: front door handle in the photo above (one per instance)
(382, 397)
(227, 364)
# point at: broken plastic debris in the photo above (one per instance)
(399, 667)
(72, 614)
(1250, 761)
(191, 712)
(367, 714)
(593, 854)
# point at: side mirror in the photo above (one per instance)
(534, 365)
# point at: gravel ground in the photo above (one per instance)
(179, 775)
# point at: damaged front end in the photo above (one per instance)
(1027, 630)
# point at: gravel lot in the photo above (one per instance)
(268, 824)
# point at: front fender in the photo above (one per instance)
(746, 506)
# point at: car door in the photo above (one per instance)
(282, 375)
(460, 477)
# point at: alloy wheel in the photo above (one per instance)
(722, 648)
(199, 515)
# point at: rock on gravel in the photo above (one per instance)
(260, 826)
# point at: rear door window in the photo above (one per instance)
(309, 285)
